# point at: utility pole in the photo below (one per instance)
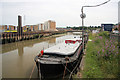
(83, 16)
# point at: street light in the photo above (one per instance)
(83, 16)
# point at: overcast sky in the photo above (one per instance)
(119, 12)
(64, 12)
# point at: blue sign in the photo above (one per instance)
(107, 27)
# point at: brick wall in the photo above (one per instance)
(52, 25)
(35, 27)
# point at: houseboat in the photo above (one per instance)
(60, 59)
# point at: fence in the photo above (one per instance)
(13, 37)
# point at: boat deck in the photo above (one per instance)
(63, 48)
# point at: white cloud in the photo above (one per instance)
(64, 12)
(0, 13)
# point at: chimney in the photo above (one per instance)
(19, 28)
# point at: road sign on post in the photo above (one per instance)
(83, 15)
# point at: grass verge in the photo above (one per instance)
(101, 59)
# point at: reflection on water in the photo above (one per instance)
(21, 45)
(18, 57)
(53, 40)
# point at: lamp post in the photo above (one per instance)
(83, 16)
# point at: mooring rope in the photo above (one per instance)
(32, 71)
(74, 69)
(65, 70)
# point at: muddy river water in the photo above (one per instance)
(18, 57)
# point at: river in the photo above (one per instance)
(18, 57)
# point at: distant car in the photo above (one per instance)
(115, 32)
(95, 31)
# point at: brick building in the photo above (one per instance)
(35, 27)
(3, 27)
(7, 27)
(119, 26)
(11, 27)
(41, 26)
(24, 28)
(50, 25)
(31, 27)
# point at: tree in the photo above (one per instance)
(99, 26)
(116, 28)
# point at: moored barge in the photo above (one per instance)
(60, 59)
